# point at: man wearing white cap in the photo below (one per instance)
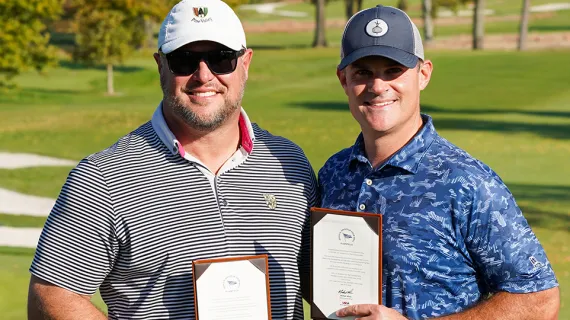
(455, 245)
(197, 181)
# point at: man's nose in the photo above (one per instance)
(378, 86)
(203, 74)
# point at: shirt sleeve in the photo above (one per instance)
(78, 246)
(505, 251)
(305, 256)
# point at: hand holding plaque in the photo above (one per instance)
(346, 260)
(232, 288)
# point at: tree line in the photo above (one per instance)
(106, 32)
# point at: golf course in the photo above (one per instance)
(509, 109)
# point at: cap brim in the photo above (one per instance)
(402, 57)
(179, 42)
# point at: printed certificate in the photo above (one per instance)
(346, 260)
(232, 288)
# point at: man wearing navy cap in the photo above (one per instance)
(455, 243)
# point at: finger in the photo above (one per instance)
(356, 310)
(370, 317)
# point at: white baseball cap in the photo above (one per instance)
(201, 20)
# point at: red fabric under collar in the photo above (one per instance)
(245, 138)
(246, 141)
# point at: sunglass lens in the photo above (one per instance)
(184, 63)
(222, 62)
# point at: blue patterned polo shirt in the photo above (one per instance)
(452, 232)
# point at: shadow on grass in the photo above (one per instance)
(549, 28)
(429, 109)
(80, 66)
(36, 94)
(321, 105)
(556, 131)
(543, 194)
(433, 110)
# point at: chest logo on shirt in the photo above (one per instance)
(270, 200)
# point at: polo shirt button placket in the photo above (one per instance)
(362, 206)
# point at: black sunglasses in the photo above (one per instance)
(185, 63)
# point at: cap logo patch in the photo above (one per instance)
(376, 28)
(201, 12)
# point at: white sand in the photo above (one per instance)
(19, 237)
(550, 7)
(26, 160)
(270, 8)
(21, 204)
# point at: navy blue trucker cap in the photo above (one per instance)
(381, 31)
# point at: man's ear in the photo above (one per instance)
(156, 56)
(341, 74)
(425, 71)
(246, 61)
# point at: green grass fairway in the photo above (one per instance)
(509, 109)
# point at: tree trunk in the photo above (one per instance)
(348, 8)
(149, 33)
(351, 7)
(428, 21)
(523, 30)
(320, 38)
(110, 87)
(478, 24)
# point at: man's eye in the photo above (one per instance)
(362, 72)
(394, 70)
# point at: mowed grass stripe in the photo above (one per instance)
(21, 221)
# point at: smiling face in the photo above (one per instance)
(384, 96)
(203, 100)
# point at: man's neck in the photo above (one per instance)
(380, 147)
(212, 148)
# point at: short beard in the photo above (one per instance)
(192, 119)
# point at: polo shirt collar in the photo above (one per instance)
(408, 157)
(167, 137)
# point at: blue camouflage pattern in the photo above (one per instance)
(452, 232)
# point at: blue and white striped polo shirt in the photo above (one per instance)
(131, 219)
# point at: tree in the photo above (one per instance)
(351, 7)
(478, 24)
(320, 25)
(523, 29)
(428, 20)
(108, 31)
(102, 38)
(23, 37)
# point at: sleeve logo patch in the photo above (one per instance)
(535, 263)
